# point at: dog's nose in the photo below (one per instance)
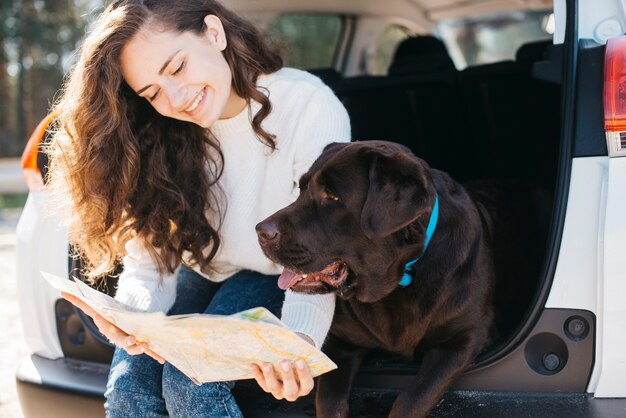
(267, 231)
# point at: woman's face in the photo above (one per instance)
(183, 75)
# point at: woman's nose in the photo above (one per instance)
(176, 95)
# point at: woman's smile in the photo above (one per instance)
(197, 101)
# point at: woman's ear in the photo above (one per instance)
(214, 31)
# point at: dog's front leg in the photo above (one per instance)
(440, 367)
(333, 388)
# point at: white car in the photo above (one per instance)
(499, 89)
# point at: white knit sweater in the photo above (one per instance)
(305, 117)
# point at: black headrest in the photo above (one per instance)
(532, 51)
(421, 54)
(327, 75)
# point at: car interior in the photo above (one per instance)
(495, 121)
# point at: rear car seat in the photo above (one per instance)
(421, 55)
(415, 103)
(509, 115)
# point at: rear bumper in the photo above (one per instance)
(66, 388)
(61, 388)
(527, 404)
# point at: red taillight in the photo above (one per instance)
(32, 174)
(615, 95)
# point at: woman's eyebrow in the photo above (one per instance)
(165, 64)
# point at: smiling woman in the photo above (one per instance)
(93, 112)
(184, 75)
(170, 151)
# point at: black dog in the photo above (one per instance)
(366, 212)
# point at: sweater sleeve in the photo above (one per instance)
(141, 285)
(326, 121)
(310, 315)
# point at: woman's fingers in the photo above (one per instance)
(143, 348)
(259, 377)
(290, 389)
(112, 332)
(135, 348)
(272, 383)
(266, 378)
(127, 342)
(109, 330)
(295, 379)
(80, 304)
(304, 377)
(155, 356)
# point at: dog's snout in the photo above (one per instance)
(267, 231)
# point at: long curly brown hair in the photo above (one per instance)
(130, 171)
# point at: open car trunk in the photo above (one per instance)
(487, 126)
(493, 124)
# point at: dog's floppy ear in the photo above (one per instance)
(397, 195)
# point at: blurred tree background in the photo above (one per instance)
(37, 42)
(309, 41)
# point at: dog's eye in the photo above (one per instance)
(328, 195)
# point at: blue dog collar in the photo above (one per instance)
(430, 230)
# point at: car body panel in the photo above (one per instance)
(612, 286)
(574, 284)
(601, 22)
(591, 268)
(41, 245)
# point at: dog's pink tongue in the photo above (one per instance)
(287, 279)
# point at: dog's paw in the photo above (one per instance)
(332, 409)
(408, 406)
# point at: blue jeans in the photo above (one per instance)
(138, 386)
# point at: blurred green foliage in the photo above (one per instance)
(37, 39)
(310, 41)
(386, 48)
(12, 201)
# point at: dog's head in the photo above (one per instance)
(362, 211)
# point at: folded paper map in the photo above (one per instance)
(206, 348)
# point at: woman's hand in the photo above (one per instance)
(113, 333)
(293, 380)
(289, 384)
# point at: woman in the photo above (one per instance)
(179, 131)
